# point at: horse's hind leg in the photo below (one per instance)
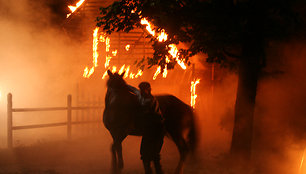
(117, 159)
(114, 158)
(183, 150)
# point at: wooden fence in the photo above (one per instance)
(69, 108)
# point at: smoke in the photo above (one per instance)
(39, 63)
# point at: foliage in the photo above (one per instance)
(214, 27)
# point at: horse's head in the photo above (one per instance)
(115, 80)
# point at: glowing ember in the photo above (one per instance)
(158, 71)
(127, 47)
(74, 8)
(193, 92)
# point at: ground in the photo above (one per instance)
(91, 155)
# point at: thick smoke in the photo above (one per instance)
(39, 63)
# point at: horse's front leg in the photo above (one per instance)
(120, 158)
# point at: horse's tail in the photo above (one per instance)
(193, 133)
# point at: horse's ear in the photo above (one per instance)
(122, 75)
(110, 73)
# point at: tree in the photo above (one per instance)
(230, 32)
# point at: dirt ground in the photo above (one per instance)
(91, 155)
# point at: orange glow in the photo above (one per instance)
(302, 169)
(74, 8)
(158, 71)
(127, 47)
(193, 92)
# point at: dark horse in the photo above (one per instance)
(122, 111)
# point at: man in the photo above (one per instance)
(153, 132)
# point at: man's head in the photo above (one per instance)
(145, 87)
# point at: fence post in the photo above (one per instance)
(9, 121)
(69, 105)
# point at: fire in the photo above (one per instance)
(114, 53)
(121, 69)
(95, 42)
(87, 73)
(144, 21)
(139, 73)
(127, 47)
(107, 60)
(158, 71)
(74, 8)
(193, 92)
(104, 75)
(165, 72)
(162, 37)
(114, 69)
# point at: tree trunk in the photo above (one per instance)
(249, 67)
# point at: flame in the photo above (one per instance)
(107, 60)
(74, 8)
(127, 47)
(144, 21)
(139, 73)
(107, 43)
(104, 75)
(114, 53)
(158, 70)
(193, 92)
(95, 42)
(165, 72)
(162, 36)
(87, 73)
(121, 69)
(114, 69)
(127, 70)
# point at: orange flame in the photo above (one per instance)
(161, 37)
(114, 69)
(127, 70)
(74, 8)
(165, 72)
(139, 73)
(193, 92)
(127, 47)
(87, 73)
(95, 42)
(158, 71)
(114, 53)
(121, 69)
(104, 75)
